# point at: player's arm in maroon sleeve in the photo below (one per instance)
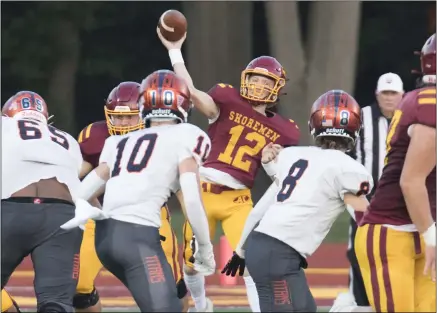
(419, 162)
(87, 167)
(83, 141)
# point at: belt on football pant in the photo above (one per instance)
(215, 188)
(36, 200)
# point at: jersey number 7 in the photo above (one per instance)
(289, 183)
(132, 166)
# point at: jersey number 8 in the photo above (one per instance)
(132, 166)
(289, 183)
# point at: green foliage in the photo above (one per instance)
(29, 50)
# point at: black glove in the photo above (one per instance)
(236, 263)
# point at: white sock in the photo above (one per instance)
(196, 285)
(252, 294)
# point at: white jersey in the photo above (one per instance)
(33, 151)
(144, 169)
(312, 184)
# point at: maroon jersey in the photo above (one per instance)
(240, 133)
(91, 140)
(388, 205)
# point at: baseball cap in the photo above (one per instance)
(390, 82)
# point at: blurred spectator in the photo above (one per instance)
(370, 151)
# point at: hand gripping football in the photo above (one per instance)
(173, 25)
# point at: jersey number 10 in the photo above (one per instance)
(289, 183)
(131, 166)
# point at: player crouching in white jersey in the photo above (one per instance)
(140, 170)
(313, 186)
(40, 172)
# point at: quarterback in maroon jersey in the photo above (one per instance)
(240, 127)
(396, 238)
(122, 116)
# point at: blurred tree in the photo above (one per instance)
(218, 44)
(325, 60)
(44, 43)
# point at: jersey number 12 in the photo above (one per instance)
(289, 183)
(132, 166)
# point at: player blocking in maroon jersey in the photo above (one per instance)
(395, 243)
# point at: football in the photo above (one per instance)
(172, 25)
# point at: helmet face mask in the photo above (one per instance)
(121, 122)
(262, 81)
(122, 110)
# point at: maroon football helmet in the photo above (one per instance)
(122, 102)
(427, 59)
(259, 92)
(26, 104)
(427, 62)
(335, 113)
(164, 95)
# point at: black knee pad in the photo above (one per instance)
(85, 300)
(52, 307)
(181, 288)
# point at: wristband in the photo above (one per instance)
(175, 56)
(89, 185)
(429, 236)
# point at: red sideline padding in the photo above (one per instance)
(225, 255)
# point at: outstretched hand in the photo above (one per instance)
(171, 44)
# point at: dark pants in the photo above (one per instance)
(356, 282)
(133, 253)
(277, 270)
(31, 228)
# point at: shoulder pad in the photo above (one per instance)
(219, 88)
(294, 123)
(426, 96)
(221, 85)
(92, 130)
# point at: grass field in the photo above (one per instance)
(338, 233)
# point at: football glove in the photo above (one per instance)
(235, 263)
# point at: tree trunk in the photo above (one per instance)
(62, 83)
(286, 45)
(332, 47)
(327, 62)
(218, 44)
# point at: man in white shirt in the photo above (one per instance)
(40, 169)
(140, 170)
(370, 150)
(313, 186)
